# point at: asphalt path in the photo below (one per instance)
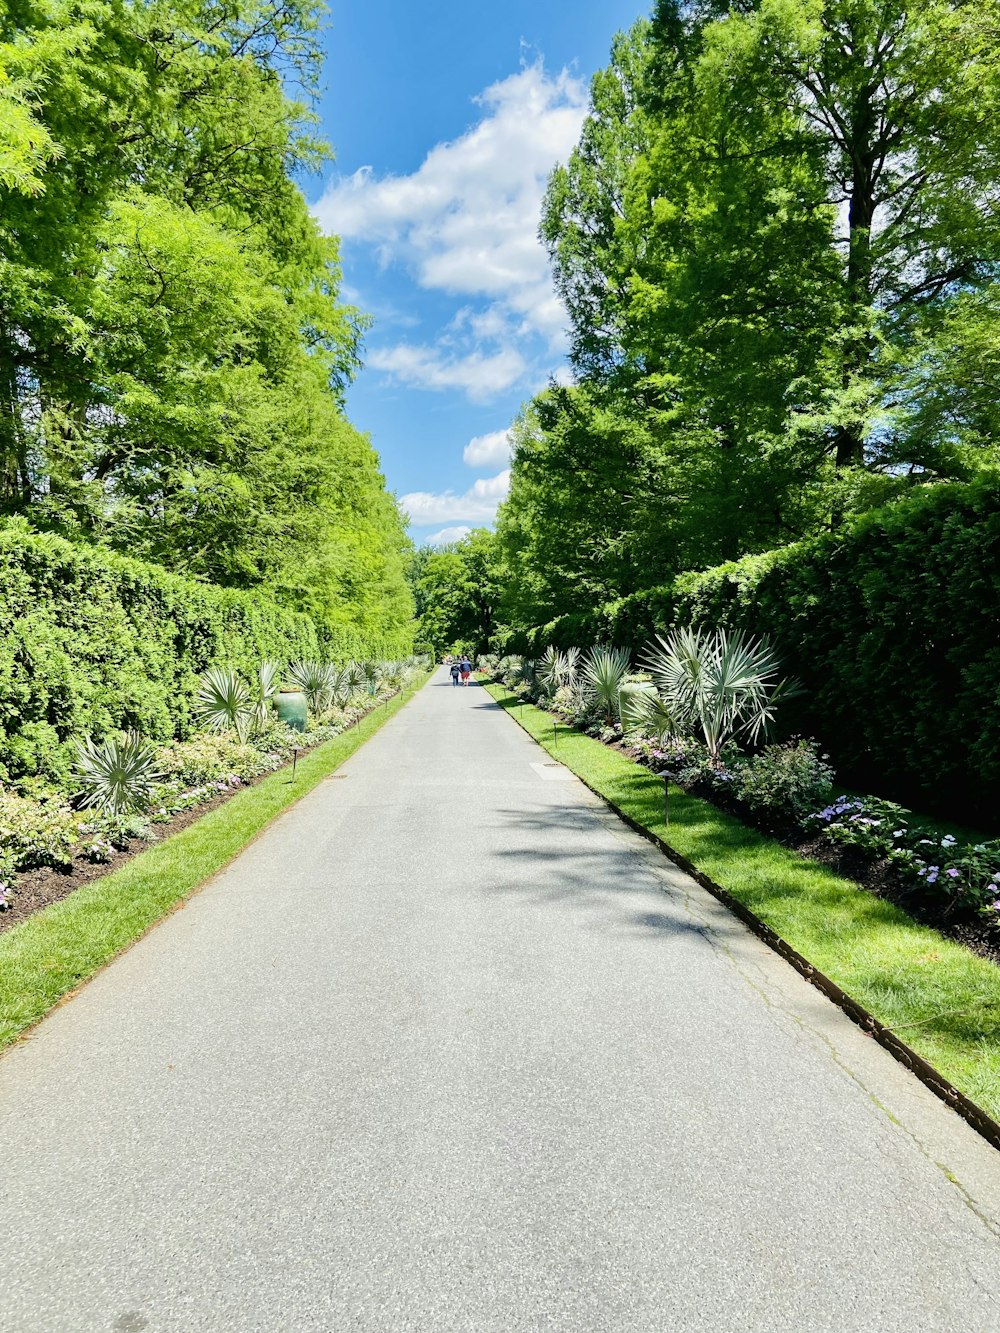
(449, 1048)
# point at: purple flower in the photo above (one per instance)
(953, 873)
(932, 878)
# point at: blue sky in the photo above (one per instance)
(446, 119)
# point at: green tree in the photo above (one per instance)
(456, 592)
(173, 349)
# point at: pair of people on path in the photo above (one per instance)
(461, 667)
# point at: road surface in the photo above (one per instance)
(448, 1048)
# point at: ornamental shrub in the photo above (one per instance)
(35, 832)
(784, 784)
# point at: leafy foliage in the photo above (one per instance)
(174, 350)
(456, 590)
(784, 784)
(777, 243)
(35, 832)
(890, 625)
(92, 642)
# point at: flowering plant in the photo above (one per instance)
(873, 825)
(968, 875)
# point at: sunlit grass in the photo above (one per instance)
(940, 998)
(56, 949)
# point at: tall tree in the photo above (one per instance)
(173, 349)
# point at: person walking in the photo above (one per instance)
(455, 671)
(465, 666)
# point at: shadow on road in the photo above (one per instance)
(551, 859)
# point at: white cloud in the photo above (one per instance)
(447, 535)
(480, 374)
(488, 450)
(477, 505)
(466, 220)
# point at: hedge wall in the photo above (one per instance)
(91, 641)
(893, 626)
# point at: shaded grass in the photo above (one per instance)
(52, 952)
(939, 998)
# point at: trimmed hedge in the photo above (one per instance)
(91, 641)
(892, 624)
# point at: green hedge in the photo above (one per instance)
(892, 624)
(91, 641)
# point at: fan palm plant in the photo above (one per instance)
(223, 702)
(263, 689)
(551, 669)
(603, 674)
(116, 775)
(526, 672)
(317, 681)
(724, 683)
(643, 709)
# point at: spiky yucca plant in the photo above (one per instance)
(116, 775)
(223, 702)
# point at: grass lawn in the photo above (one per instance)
(48, 955)
(939, 998)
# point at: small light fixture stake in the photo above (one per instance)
(555, 735)
(666, 799)
(295, 761)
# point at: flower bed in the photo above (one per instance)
(48, 849)
(784, 790)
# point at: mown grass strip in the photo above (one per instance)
(51, 953)
(939, 998)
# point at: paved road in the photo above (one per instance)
(450, 1049)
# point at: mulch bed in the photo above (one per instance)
(45, 885)
(36, 889)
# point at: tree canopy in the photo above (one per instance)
(777, 243)
(173, 348)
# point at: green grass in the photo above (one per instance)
(939, 998)
(52, 952)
